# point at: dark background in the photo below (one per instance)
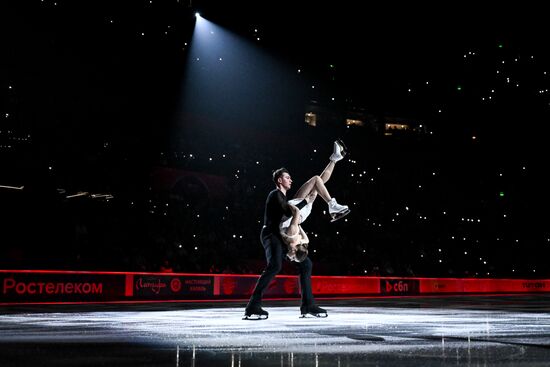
(96, 89)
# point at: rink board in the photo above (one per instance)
(46, 286)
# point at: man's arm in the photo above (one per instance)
(308, 199)
(301, 204)
(284, 204)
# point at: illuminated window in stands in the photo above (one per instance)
(391, 127)
(352, 122)
(311, 119)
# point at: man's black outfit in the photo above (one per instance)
(275, 250)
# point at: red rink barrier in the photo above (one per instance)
(45, 286)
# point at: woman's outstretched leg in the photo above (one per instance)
(327, 172)
(314, 184)
(308, 188)
(338, 153)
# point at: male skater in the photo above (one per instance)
(275, 208)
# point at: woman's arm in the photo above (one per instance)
(293, 229)
(305, 238)
(283, 203)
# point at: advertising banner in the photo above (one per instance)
(35, 286)
(160, 286)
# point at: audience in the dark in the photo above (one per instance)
(415, 211)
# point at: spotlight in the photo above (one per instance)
(197, 14)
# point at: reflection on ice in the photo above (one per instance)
(350, 336)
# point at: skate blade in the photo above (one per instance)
(317, 315)
(344, 147)
(255, 317)
(337, 216)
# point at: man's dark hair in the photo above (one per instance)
(278, 173)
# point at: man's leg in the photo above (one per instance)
(308, 305)
(274, 256)
(305, 268)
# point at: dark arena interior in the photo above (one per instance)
(138, 144)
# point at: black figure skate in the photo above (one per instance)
(314, 311)
(255, 313)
